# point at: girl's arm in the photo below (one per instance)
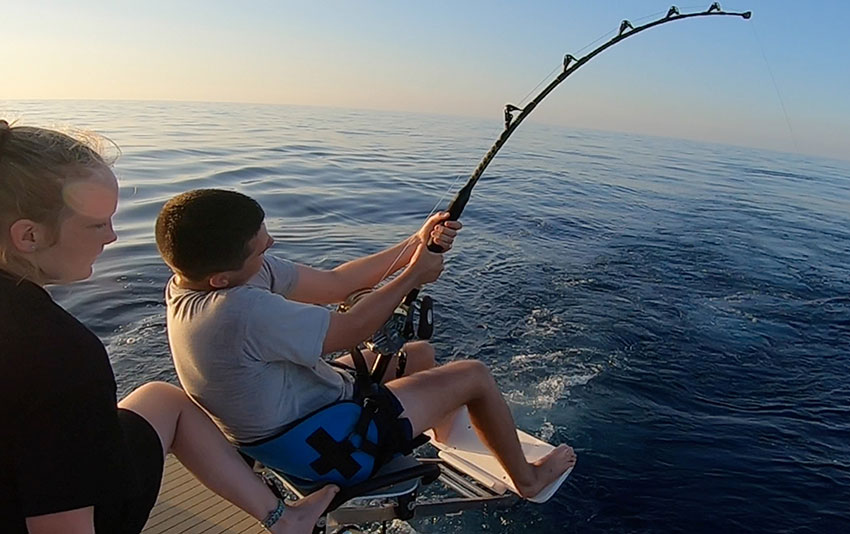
(79, 521)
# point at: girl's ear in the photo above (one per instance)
(28, 236)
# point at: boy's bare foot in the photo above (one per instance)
(547, 470)
(300, 517)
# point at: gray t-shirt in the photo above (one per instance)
(250, 357)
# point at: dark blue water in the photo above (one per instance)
(678, 312)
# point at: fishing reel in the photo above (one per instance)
(412, 319)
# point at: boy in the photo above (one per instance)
(247, 332)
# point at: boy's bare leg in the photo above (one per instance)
(187, 432)
(430, 396)
(420, 356)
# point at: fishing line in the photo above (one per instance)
(551, 72)
(542, 81)
(776, 88)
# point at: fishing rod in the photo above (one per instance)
(413, 319)
(571, 65)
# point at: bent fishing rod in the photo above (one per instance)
(571, 64)
(413, 317)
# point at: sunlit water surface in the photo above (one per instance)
(678, 312)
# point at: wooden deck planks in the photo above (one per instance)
(185, 506)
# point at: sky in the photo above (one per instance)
(779, 80)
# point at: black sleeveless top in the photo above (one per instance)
(61, 443)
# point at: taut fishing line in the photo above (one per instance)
(776, 88)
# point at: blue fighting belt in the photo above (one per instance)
(343, 443)
(336, 444)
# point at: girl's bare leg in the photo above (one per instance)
(430, 396)
(185, 430)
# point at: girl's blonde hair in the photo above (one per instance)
(35, 164)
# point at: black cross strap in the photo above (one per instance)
(337, 455)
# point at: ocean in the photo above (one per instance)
(678, 312)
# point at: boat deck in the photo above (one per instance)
(185, 506)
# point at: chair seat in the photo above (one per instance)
(406, 469)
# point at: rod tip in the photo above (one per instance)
(747, 14)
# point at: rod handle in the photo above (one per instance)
(455, 209)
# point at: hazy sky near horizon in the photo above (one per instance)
(707, 79)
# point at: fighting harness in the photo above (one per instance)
(343, 443)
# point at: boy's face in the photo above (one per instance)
(258, 245)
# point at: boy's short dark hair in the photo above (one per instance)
(206, 231)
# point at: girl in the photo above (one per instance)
(71, 460)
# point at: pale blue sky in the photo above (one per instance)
(704, 79)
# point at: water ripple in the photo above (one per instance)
(678, 312)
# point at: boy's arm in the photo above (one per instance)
(346, 330)
(316, 286)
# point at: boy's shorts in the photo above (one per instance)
(395, 433)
